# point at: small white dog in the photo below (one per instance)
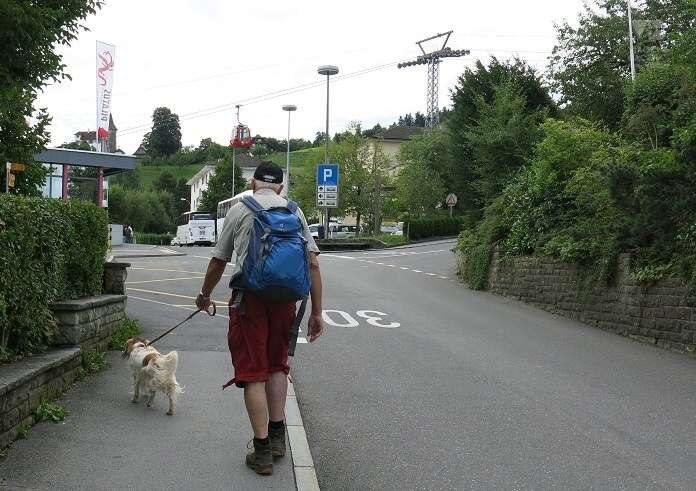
(154, 371)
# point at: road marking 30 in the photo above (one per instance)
(373, 317)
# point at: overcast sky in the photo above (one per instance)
(196, 55)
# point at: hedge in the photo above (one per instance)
(433, 227)
(155, 239)
(50, 250)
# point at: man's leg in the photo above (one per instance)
(257, 407)
(276, 392)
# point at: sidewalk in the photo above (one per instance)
(109, 443)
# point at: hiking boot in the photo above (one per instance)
(260, 459)
(277, 438)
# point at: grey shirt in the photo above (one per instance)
(237, 227)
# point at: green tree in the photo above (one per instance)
(590, 64)
(502, 140)
(364, 176)
(77, 145)
(474, 87)
(165, 137)
(145, 211)
(178, 189)
(220, 186)
(428, 161)
(29, 34)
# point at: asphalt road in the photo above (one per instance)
(421, 383)
(475, 391)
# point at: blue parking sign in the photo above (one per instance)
(327, 175)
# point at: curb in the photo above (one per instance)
(302, 462)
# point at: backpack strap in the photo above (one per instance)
(292, 206)
(252, 204)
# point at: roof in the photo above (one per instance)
(140, 151)
(87, 136)
(112, 126)
(111, 162)
(199, 175)
(247, 161)
(402, 133)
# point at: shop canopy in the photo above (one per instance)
(111, 163)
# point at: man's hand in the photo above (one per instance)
(202, 302)
(315, 327)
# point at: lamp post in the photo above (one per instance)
(327, 70)
(189, 203)
(289, 108)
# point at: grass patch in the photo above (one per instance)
(92, 362)
(129, 329)
(22, 432)
(389, 239)
(149, 173)
(51, 411)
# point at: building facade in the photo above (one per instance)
(199, 182)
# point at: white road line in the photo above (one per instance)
(403, 267)
(172, 305)
(171, 270)
(431, 274)
(223, 302)
(165, 279)
(416, 270)
(443, 277)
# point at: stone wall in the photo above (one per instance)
(663, 314)
(26, 383)
(115, 275)
(88, 322)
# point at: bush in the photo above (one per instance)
(433, 227)
(154, 239)
(50, 411)
(50, 250)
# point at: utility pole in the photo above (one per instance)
(630, 40)
(433, 60)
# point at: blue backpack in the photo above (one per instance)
(276, 267)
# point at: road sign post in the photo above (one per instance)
(451, 200)
(327, 190)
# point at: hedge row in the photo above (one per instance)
(155, 239)
(49, 250)
(434, 227)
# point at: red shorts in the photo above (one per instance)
(259, 338)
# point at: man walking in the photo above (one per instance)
(259, 329)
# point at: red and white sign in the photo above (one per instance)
(105, 84)
(451, 200)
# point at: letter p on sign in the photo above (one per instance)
(327, 174)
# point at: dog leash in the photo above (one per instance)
(211, 314)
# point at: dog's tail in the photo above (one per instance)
(168, 364)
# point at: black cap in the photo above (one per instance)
(268, 171)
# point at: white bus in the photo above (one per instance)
(195, 228)
(224, 206)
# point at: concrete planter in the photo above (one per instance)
(27, 382)
(88, 322)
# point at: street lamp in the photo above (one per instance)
(289, 108)
(189, 203)
(327, 70)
